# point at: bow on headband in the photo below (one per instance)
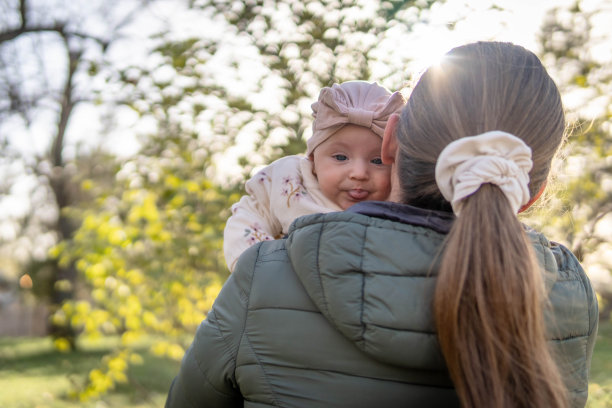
(354, 102)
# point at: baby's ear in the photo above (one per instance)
(311, 158)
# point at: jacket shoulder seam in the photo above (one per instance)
(246, 336)
(318, 264)
(203, 372)
(265, 374)
(361, 312)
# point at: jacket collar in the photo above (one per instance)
(436, 220)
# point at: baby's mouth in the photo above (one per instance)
(358, 194)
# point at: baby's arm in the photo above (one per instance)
(252, 220)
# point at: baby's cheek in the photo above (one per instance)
(387, 178)
(385, 186)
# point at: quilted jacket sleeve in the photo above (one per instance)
(593, 314)
(574, 322)
(207, 374)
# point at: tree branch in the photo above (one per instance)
(66, 106)
(23, 12)
(11, 34)
(59, 28)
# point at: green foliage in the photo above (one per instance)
(65, 53)
(580, 210)
(305, 45)
(150, 252)
(585, 169)
(261, 95)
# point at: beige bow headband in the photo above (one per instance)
(354, 102)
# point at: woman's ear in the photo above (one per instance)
(389, 143)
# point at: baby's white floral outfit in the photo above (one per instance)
(278, 194)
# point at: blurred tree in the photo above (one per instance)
(96, 165)
(49, 53)
(579, 57)
(150, 251)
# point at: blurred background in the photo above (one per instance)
(127, 128)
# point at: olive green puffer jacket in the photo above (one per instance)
(339, 314)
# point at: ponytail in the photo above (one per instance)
(490, 296)
(488, 309)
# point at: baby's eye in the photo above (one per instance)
(377, 160)
(340, 157)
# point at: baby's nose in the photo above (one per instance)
(359, 170)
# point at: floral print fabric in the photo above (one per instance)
(276, 195)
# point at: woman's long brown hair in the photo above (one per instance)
(489, 295)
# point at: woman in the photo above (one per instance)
(408, 304)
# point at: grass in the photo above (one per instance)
(34, 375)
(600, 381)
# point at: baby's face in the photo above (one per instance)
(349, 169)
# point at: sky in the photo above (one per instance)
(516, 21)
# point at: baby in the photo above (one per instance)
(342, 167)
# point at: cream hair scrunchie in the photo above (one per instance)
(494, 157)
